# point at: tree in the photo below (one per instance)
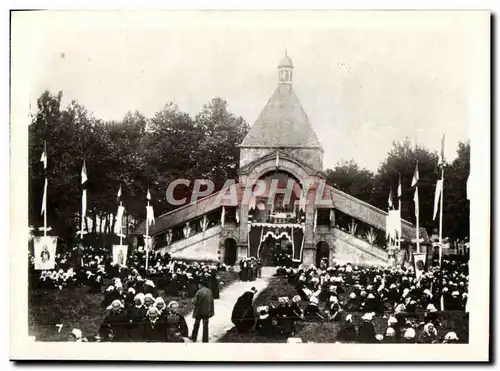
(456, 211)
(401, 161)
(222, 132)
(349, 178)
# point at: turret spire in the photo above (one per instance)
(285, 68)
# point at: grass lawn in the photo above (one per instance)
(326, 332)
(76, 308)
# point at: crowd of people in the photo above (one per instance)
(250, 269)
(340, 293)
(133, 309)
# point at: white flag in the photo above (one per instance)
(148, 196)
(44, 199)
(119, 195)
(44, 155)
(150, 215)
(415, 199)
(84, 172)
(415, 179)
(223, 216)
(437, 195)
(84, 203)
(119, 220)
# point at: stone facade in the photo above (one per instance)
(282, 140)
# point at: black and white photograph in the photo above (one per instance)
(250, 185)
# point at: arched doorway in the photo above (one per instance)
(230, 251)
(322, 252)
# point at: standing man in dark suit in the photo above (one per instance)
(203, 310)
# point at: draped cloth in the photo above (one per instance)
(259, 232)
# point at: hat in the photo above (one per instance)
(160, 300)
(431, 308)
(263, 312)
(367, 317)
(370, 296)
(379, 337)
(139, 296)
(348, 318)
(392, 320)
(352, 295)
(400, 308)
(116, 304)
(254, 290)
(150, 283)
(173, 304)
(110, 288)
(334, 299)
(77, 333)
(314, 300)
(409, 333)
(451, 336)
(296, 299)
(390, 332)
(149, 296)
(152, 312)
(455, 293)
(131, 290)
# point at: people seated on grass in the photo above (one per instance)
(243, 316)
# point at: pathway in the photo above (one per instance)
(220, 323)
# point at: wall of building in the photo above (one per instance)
(310, 156)
(349, 249)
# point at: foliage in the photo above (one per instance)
(400, 162)
(136, 152)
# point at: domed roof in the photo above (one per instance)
(285, 61)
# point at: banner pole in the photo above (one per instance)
(147, 239)
(45, 212)
(418, 227)
(121, 227)
(441, 217)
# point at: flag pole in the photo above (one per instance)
(147, 238)
(121, 226)
(441, 217)
(418, 228)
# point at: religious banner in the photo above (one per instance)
(120, 254)
(45, 252)
(400, 256)
(419, 261)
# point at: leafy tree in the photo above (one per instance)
(348, 177)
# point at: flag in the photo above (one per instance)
(223, 216)
(44, 199)
(148, 196)
(415, 199)
(84, 204)
(44, 155)
(119, 195)
(277, 159)
(415, 176)
(399, 186)
(84, 172)
(150, 215)
(119, 220)
(437, 195)
(441, 153)
(390, 198)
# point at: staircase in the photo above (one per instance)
(202, 246)
(350, 249)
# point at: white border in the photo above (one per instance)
(479, 118)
